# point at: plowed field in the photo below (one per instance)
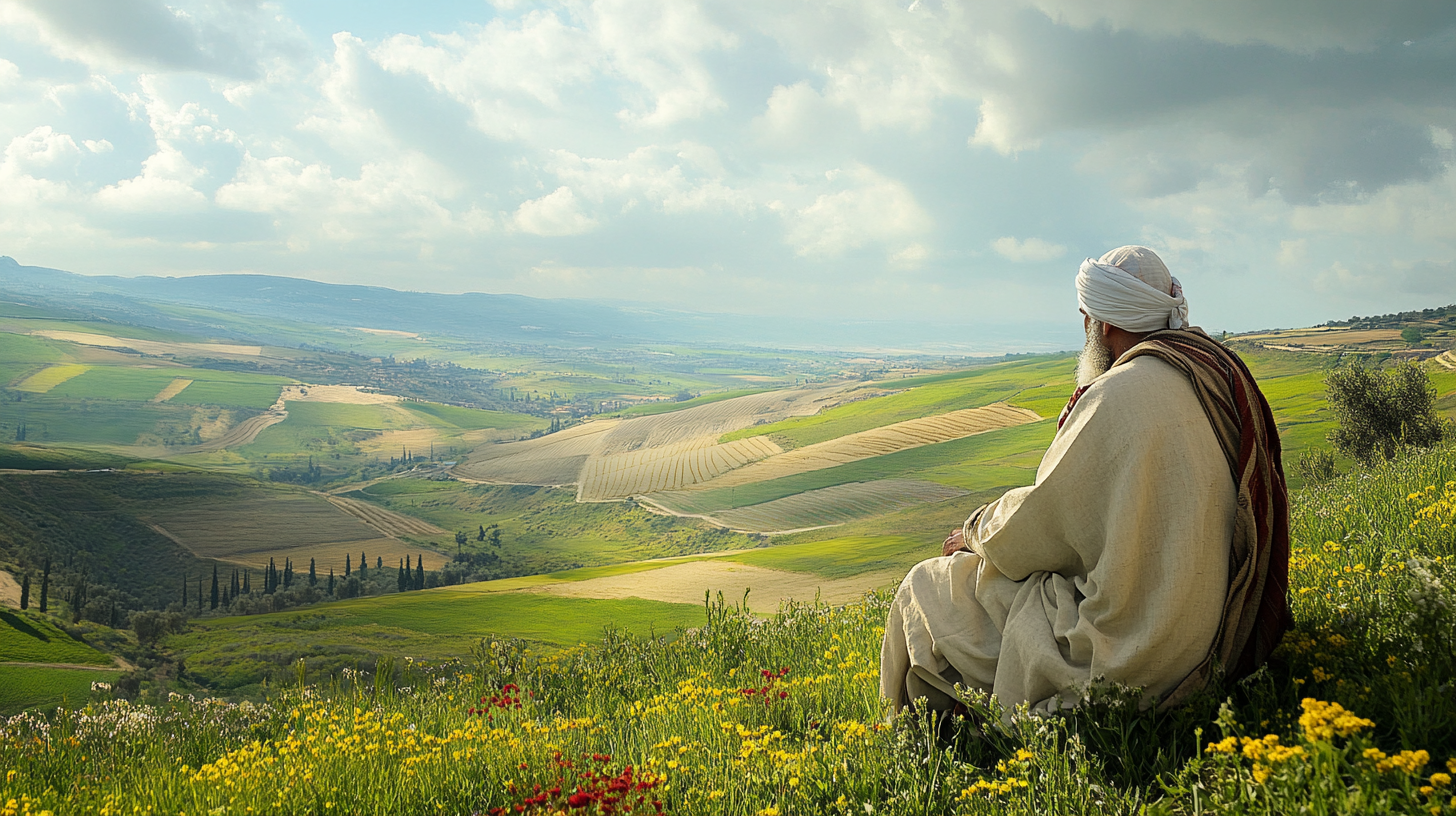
(878, 442)
(386, 521)
(550, 460)
(618, 458)
(668, 467)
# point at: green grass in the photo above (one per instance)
(1002, 458)
(546, 530)
(52, 420)
(1036, 383)
(238, 652)
(20, 348)
(23, 687)
(143, 384)
(840, 557)
(30, 638)
(21, 456)
(782, 714)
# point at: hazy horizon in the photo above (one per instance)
(938, 165)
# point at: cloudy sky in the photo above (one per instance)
(922, 160)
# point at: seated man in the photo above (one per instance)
(1153, 548)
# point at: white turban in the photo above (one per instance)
(1130, 288)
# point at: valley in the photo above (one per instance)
(139, 459)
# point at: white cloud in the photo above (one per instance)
(871, 209)
(164, 186)
(39, 150)
(555, 214)
(1031, 250)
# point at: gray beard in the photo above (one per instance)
(1096, 358)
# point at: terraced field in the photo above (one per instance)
(616, 458)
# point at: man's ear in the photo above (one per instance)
(1107, 330)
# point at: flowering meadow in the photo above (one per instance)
(780, 714)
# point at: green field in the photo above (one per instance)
(996, 459)
(23, 687)
(27, 637)
(545, 529)
(1041, 385)
(840, 557)
(233, 653)
(36, 457)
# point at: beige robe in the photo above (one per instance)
(1113, 565)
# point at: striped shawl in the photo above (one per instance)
(1256, 609)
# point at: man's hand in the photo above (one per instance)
(954, 543)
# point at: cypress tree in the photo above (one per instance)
(363, 566)
(199, 594)
(420, 572)
(348, 566)
(287, 573)
(25, 591)
(184, 592)
(247, 582)
(379, 562)
(312, 573)
(235, 587)
(45, 585)
(214, 598)
(399, 582)
(331, 580)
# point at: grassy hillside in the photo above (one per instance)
(29, 637)
(24, 687)
(782, 716)
(1040, 384)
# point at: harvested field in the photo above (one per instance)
(173, 389)
(9, 590)
(1328, 336)
(668, 467)
(386, 332)
(619, 458)
(901, 436)
(686, 583)
(386, 521)
(1447, 360)
(832, 505)
(255, 525)
(50, 377)
(244, 433)
(346, 394)
(151, 346)
(556, 459)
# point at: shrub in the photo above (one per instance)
(1316, 465)
(1382, 411)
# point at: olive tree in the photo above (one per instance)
(1381, 411)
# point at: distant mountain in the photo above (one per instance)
(486, 317)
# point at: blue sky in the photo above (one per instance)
(939, 162)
